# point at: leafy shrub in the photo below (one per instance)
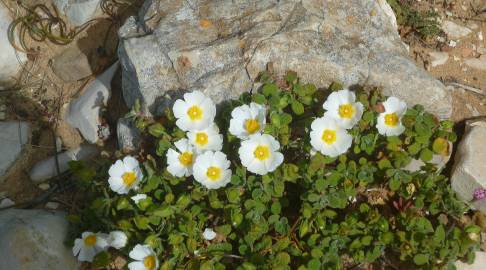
(425, 24)
(313, 212)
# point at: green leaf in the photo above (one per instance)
(297, 107)
(426, 155)
(102, 259)
(394, 184)
(421, 259)
(335, 86)
(156, 130)
(439, 235)
(441, 146)
(270, 90)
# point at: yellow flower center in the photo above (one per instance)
(329, 136)
(129, 178)
(346, 111)
(391, 119)
(185, 158)
(201, 138)
(213, 173)
(195, 113)
(90, 240)
(252, 126)
(149, 262)
(261, 152)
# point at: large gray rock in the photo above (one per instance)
(33, 240)
(47, 168)
(84, 113)
(10, 60)
(13, 138)
(71, 64)
(479, 262)
(129, 137)
(219, 47)
(469, 172)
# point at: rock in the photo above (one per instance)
(6, 203)
(34, 239)
(13, 138)
(438, 58)
(10, 59)
(469, 172)
(479, 262)
(84, 112)
(219, 47)
(71, 64)
(477, 63)
(455, 31)
(78, 12)
(52, 205)
(46, 169)
(129, 137)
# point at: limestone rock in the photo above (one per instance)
(219, 47)
(78, 11)
(46, 169)
(438, 58)
(71, 64)
(455, 31)
(84, 112)
(469, 172)
(34, 239)
(129, 137)
(477, 63)
(479, 262)
(10, 60)
(13, 138)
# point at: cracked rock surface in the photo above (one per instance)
(219, 47)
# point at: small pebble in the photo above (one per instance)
(452, 43)
(6, 203)
(52, 205)
(44, 186)
(480, 35)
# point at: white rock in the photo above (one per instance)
(480, 35)
(438, 58)
(79, 11)
(44, 186)
(84, 112)
(13, 138)
(389, 12)
(6, 203)
(455, 31)
(477, 63)
(479, 262)
(469, 172)
(33, 240)
(10, 59)
(452, 43)
(129, 136)
(46, 169)
(481, 50)
(52, 205)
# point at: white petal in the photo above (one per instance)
(138, 197)
(194, 98)
(276, 161)
(117, 185)
(117, 169)
(182, 145)
(393, 104)
(139, 252)
(86, 254)
(180, 108)
(136, 266)
(209, 234)
(78, 245)
(332, 102)
(130, 163)
(118, 239)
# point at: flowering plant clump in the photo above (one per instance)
(291, 177)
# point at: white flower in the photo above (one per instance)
(328, 137)
(206, 139)
(211, 169)
(145, 258)
(117, 239)
(195, 112)
(180, 162)
(125, 175)
(259, 154)
(247, 120)
(342, 107)
(390, 121)
(209, 234)
(138, 197)
(89, 245)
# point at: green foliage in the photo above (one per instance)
(313, 212)
(423, 23)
